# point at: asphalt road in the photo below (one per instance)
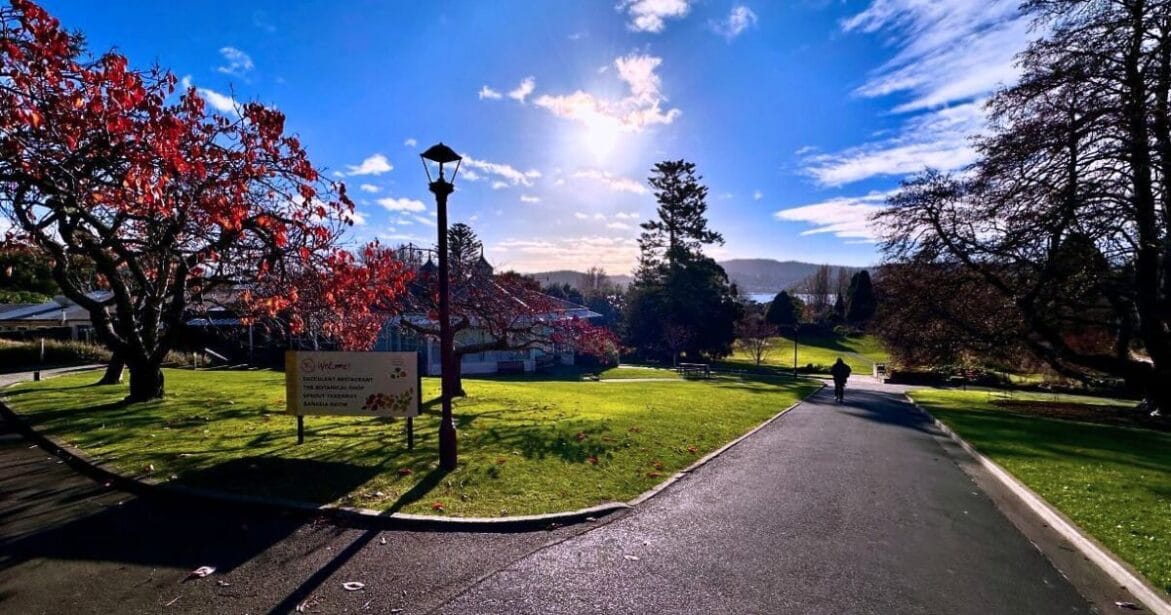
(832, 509)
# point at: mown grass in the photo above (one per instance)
(626, 372)
(526, 446)
(860, 353)
(1113, 481)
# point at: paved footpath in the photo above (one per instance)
(832, 509)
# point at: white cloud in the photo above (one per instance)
(948, 50)
(845, 217)
(503, 172)
(239, 63)
(740, 19)
(368, 188)
(525, 198)
(940, 140)
(627, 215)
(757, 195)
(580, 216)
(355, 216)
(522, 91)
(611, 181)
(220, 102)
(424, 220)
(641, 108)
(401, 204)
(950, 55)
(651, 15)
(499, 185)
(615, 254)
(411, 142)
(489, 93)
(619, 226)
(470, 175)
(600, 217)
(376, 164)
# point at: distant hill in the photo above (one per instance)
(765, 275)
(752, 275)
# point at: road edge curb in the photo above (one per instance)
(1109, 563)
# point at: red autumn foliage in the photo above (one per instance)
(166, 201)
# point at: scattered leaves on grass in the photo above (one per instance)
(502, 460)
(693, 449)
(593, 459)
(635, 429)
(438, 507)
(654, 474)
(404, 471)
(579, 436)
(658, 465)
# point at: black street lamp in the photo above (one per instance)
(441, 187)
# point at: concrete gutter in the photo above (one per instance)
(347, 515)
(1103, 558)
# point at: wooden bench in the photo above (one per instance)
(694, 370)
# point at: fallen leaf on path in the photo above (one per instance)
(201, 572)
(633, 558)
(353, 586)
(1127, 605)
(382, 540)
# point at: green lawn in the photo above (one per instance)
(1113, 481)
(525, 446)
(860, 353)
(626, 372)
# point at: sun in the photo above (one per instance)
(600, 136)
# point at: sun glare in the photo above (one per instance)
(600, 136)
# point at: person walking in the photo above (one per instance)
(841, 372)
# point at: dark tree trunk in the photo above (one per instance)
(146, 381)
(114, 370)
(457, 381)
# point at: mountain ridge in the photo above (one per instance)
(751, 275)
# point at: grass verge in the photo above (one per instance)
(526, 447)
(860, 353)
(1113, 481)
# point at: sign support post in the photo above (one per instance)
(300, 430)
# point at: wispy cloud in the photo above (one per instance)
(642, 107)
(740, 19)
(239, 64)
(757, 195)
(845, 217)
(611, 181)
(368, 188)
(401, 204)
(615, 254)
(411, 142)
(489, 93)
(651, 15)
(622, 215)
(948, 50)
(522, 91)
(950, 55)
(220, 102)
(527, 198)
(619, 226)
(940, 140)
(376, 164)
(503, 172)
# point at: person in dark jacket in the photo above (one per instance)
(841, 372)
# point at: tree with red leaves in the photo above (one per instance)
(493, 312)
(165, 201)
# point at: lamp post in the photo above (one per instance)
(796, 328)
(441, 187)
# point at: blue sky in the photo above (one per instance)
(801, 115)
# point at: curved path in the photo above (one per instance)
(832, 509)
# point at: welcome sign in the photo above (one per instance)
(352, 383)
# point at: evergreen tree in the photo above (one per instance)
(681, 301)
(782, 312)
(680, 231)
(860, 301)
(464, 249)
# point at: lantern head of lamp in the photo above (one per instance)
(441, 157)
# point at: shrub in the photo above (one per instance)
(28, 354)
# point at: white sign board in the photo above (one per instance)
(352, 383)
